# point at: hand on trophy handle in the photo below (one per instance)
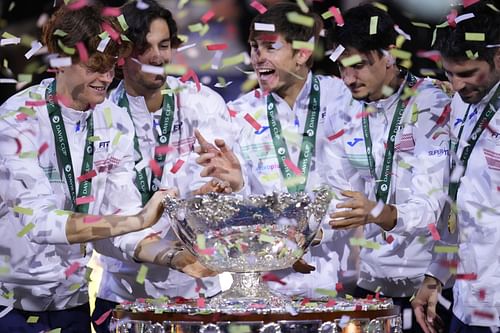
(153, 210)
(424, 305)
(214, 185)
(219, 162)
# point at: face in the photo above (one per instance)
(157, 53)
(367, 78)
(275, 62)
(81, 87)
(471, 79)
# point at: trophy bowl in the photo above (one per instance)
(247, 236)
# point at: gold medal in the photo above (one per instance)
(452, 222)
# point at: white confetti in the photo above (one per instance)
(407, 321)
(264, 27)
(337, 53)
(10, 41)
(5, 311)
(152, 69)
(222, 85)
(457, 173)
(401, 32)
(185, 47)
(217, 60)
(375, 212)
(344, 320)
(8, 81)
(35, 46)
(102, 44)
(126, 285)
(60, 62)
(142, 5)
(464, 17)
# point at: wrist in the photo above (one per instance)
(388, 217)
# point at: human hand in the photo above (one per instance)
(153, 210)
(303, 267)
(424, 305)
(214, 185)
(187, 263)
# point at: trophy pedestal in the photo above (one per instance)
(248, 291)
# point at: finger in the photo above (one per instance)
(208, 171)
(201, 140)
(205, 158)
(346, 214)
(353, 203)
(346, 223)
(420, 317)
(350, 194)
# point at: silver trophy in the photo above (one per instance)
(248, 236)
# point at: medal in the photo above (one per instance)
(452, 222)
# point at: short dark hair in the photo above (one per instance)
(277, 15)
(139, 21)
(452, 43)
(84, 25)
(355, 33)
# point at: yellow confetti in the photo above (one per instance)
(380, 6)
(182, 3)
(94, 138)
(387, 91)
(373, 25)
(183, 38)
(326, 292)
(414, 113)
(27, 111)
(8, 35)
(294, 181)
(116, 139)
(195, 27)
(123, 22)
(326, 15)
(29, 154)
(248, 85)
(175, 69)
(32, 320)
(25, 230)
(103, 35)
(400, 41)
(303, 6)
(299, 45)
(60, 33)
(25, 78)
(400, 54)
(55, 330)
(296, 18)
(234, 60)
(66, 49)
(350, 61)
(201, 241)
(74, 286)
(60, 212)
(475, 36)
(4, 270)
(107, 117)
(22, 210)
(471, 55)
(445, 249)
(141, 275)
(421, 25)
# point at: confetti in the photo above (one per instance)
(87, 176)
(400, 54)
(466, 276)
(201, 241)
(301, 45)
(407, 319)
(444, 302)
(434, 231)
(258, 6)
(464, 17)
(5, 311)
(107, 117)
(22, 210)
(158, 70)
(35, 47)
(155, 168)
(421, 25)
(25, 230)
(252, 122)
(351, 61)
(141, 275)
(163, 149)
(337, 53)
(72, 269)
(373, 25)
(111, 11)
(264, 27)
(337, 15)
(31, 104)
(445, 249)
(274, 278)
(111, 32)
(91, 219)
(208, 16)
(60, 62)
(43, 148)
(216, 47)
(177, 166)
(234, 60)
(475, 36)
(377, 210)
(326, 292)
(200, 302)
(82, 52)
(296, 18)
(185, 47)
(336, 135)
(84, 200)
(10, 41)
(190, 74)
(467, 3)
(293, 167)
(103, 317)
(175, 69)
(102, 44)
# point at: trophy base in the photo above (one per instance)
(248, 293)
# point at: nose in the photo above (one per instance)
(107, 76)
(457, 83)
(257, 55)
(348, 74)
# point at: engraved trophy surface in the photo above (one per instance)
(247, 236)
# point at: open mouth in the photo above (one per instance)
(98, 88)
(265, 73)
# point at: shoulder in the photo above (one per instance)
(248, 102)
(429, 94)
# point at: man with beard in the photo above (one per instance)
(473, 68)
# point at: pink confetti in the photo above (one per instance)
(177, 166)
(431, 55)
(339, 286)
(79, 4)
(200, 302)
(449, 263)
(466, 276)
(305, 301)
(208, 16)
(268, 37)
(451, 18)
(468, 3)
(389, 239)
(232, 113)
(257, 93)
(434, 231)
(35, 103)
(336, 135)
(111, 11)
(82, 51)
(331, 302)
(272, 277)
(206, 252)
(87, 176)
(103, 317)
(120, 62)
(482, 294)
(71, 269)
(21, 116)
(84, 200)
(259, 7)
(293, 167)
(155, 167)
(43, 148)
(444, 116)
(192, 75)
(217, 47)
(363, 114)
(112, 32)
(163, 149)
(91, 219)
(337, 15)
(248, 117)
(484, 314)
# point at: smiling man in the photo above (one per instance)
(281, 135)
(473, 68)
(391, 162)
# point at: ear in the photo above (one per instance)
(390, 61)
(496, 60)
(302, 56)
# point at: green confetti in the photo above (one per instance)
(123, 22)
(4, 270)
(74, 286)
(66, 49)
(421, 25)
(201, 241)
(445, 249)
(117, 137)
(396, 53)
(32, 319)
(60, 33)
(175, 69)
(351, 61)
(296, 18)
(34, 95)
(103, 35)
(29, 154)
(234, 60)
(404, 165)
(326, 292)
(195, 27)
(22, 210)
(55, 330)
(25, 78)
(8, 35)
(303, 6)
(25, 230)
(414, 113)
(107, 117)
(141, 276)
(94, 138)
(60, 212)
(380, 6)
(299, 45)
(239, 328)
(471, 55)
(27, 111)
(266, 238)
(373, 25)
(475, 36)
(326, 15)
(124, 38)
